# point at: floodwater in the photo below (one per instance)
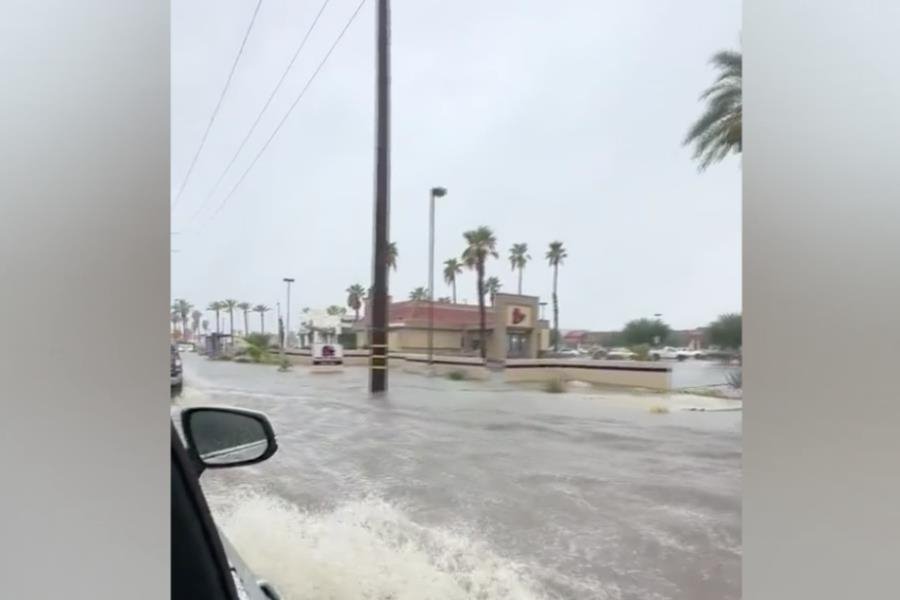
(455, 489)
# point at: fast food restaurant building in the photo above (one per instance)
(513, 329)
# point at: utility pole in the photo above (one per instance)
(436, 192)
(378, 361)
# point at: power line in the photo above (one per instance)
(288, 113)
(262, 111)
(215, 113)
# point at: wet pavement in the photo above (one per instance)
(457, 489)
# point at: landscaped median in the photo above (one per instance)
(627, 373)
(454, 367)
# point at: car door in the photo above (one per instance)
(200, 569)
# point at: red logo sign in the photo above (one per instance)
(518, 316)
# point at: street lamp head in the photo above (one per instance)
(438, 192)
(288, 280)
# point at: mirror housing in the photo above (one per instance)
(220, 437)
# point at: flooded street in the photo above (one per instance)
(457, 489)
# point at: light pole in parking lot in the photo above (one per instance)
(287, 309)
(436, 192)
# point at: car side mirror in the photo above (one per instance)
(220, 437)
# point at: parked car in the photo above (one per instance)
(671, 353)
(620, 354)
(205, 566)
(175, 368)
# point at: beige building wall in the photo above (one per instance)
(417, 339)
(514, 313)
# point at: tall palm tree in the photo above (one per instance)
(718, 130)
(195, 321)
(215, 307)
(245, 307)
(262, 309)
(183, 308)
(555, 256)
(230, 305)
(355, 295)
(392, 255)
(205, 325)
(175, 319)
(518, 258)
(452, 268)
(419, 294)
(492, 286)
(481, 245)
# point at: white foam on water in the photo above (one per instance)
(365, 550)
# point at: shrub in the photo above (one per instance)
(456, 375)
(260, 340)
(555, 386)
(658, 409)
(256, 353)
(284, 365)
(641, 351)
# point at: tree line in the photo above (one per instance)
(480, 246)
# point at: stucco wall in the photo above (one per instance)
(649, 375)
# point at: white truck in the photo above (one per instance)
(327, 354)
(671, 353)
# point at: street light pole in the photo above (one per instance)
(287, 309)
(436, 192)
(378, 359)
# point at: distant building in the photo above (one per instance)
(512, 328)
(319, 327)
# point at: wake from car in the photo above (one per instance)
(364, 550)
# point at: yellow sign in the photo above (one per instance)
(519, 316)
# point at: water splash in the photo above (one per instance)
(364, 550)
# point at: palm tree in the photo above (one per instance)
(492, 287)
(452, 268)
(355, 295)
(392, 255)
(175, 319)
(215, 307)
(555, 256)
(195, 321)
(262, 309)
(205, 325)
(245, 307)
(334, 310)
(444, 300)
(418, 294)
(183, 308)
(230, 305)
(481, 245)
(718, 131)
(518, 258)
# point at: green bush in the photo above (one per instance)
(260, 340)
(456, 375)
(256, 353)
(641, 351)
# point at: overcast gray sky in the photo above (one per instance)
(544, 120)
